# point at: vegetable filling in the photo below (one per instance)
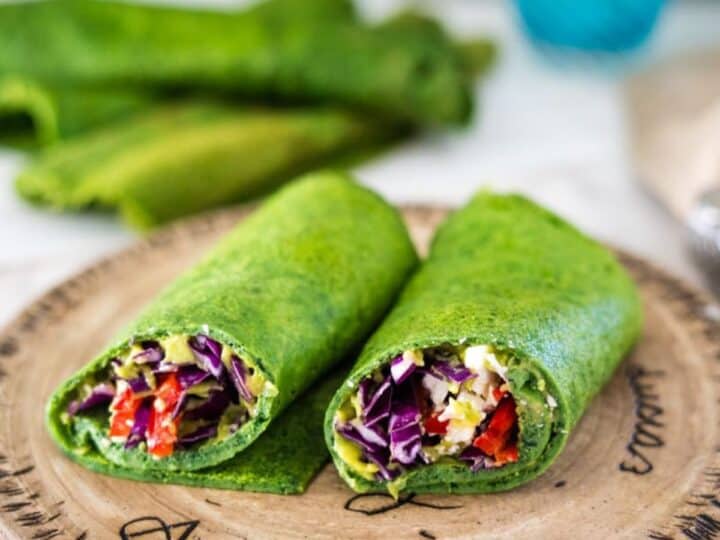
(425, 405)
(169, 395)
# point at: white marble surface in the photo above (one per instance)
(555, 133)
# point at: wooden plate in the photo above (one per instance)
(643, 462)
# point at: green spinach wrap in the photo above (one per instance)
(215, 154)
(225, 348)
(266, 52)
(493, 351)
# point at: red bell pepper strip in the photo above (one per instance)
(494, 440)
(162, 434)
(434, 426)
(163, 429)
(123, 413)
(509, 454)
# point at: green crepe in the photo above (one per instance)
(290, 292)
(556, 306)
(33, 114)
(241, 152)
(180, 159)
(260, 53)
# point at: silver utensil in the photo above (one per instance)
(704, 225)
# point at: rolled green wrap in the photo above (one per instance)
(512, 300)
(187, 157)
(265, 53)
(287, 294)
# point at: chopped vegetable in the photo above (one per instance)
(238, 373)
(151, 353)
(169, 402)
(210, 409)
(434, 426)
(379, 407)
(202, 434)
(163, 429)
(210, 353)
(456, 373)
(141, 422)
(139, 384)
(123, 413)
(404, 428)
(495, 438)
(190, 376)
(401, 368)
(101, 394)
(475, 457)
(426, 404)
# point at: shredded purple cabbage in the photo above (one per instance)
(191, 375)
(389, 430)
(403, 415)
(379, 407)
(475, 458)
(401, 368)
(140, 423)
(201, 434)
(364, 393)
(165, 367)
(211, 409)
(375, 435)
(238, 374)
(404, 428)
(209, 352)
(231, 385)
(381, 458)
(102, 394)
(180, 405)
(151, 353)
(456, 373)
(352, 433)
(139, 384)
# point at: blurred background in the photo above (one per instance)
(606, 111)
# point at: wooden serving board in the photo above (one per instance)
(643, 463)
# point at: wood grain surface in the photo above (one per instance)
(643, 462)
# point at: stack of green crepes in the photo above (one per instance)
(487, 357)
(162, 112)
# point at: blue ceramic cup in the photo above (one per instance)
(590, 25)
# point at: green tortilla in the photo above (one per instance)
(295, 287)
(506, 273)
(183, 158)
(265, 53)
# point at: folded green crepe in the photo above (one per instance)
(228, 346)
(33, 114)
(491, 355)
(259, 53)
(187, 157)
(229, 153)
